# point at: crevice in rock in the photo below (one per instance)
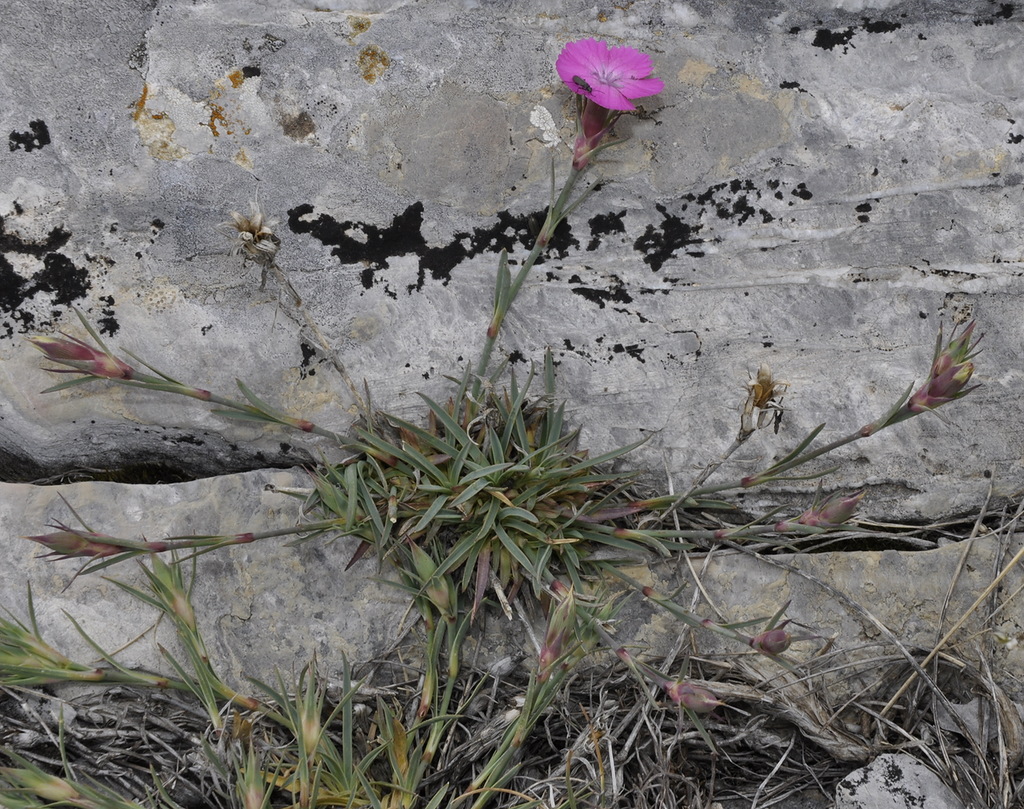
(143, 455)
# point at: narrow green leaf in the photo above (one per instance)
(255, 401)
(470, 492)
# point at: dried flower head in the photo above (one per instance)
(764, 394)
(252, 236)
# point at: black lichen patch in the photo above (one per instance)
(605, 225)
(801, 191)
(59, 278)
(37, 137)
(510, 232)
(830, 40)
(737, 202)
(881, 26)
(1013, 138)
(107, 322)
(633, 350)
(309, 353)
(374, 246)
(361, 243)
(612, 290)
(659, 244)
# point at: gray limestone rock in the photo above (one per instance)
(895, 781)
(819, 186)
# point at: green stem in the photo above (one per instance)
(148, 382)
(557, 212)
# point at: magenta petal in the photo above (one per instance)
(609, 98)
(580, 59)
(629, 63)
(608, 76)
(640, 88)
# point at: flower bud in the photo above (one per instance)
(773, 642)
(699, 700)
(834, 511)
(561, 624)
(68, 543)
(82, 358)
(951, 371)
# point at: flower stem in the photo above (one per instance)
(557, 212)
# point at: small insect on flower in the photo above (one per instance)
(580, 82)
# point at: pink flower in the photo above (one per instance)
(610, 77)
(607, 78)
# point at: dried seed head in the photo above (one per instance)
(252, 236)
(764, 394)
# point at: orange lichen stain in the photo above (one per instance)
(220, 122)
(156, 130)
(236, 77)
(140, 105)
(217, 116)
(372, 63)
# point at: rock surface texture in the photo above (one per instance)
(819, 186)
(895, 781)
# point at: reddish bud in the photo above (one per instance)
(68, 543)
(834, 511)
(595, 122)
(773, 642)
(699, 700)
(82, 358)
(951, 371)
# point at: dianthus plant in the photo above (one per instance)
(489, 498)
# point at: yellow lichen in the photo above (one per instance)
(373, 61)
(360, 25)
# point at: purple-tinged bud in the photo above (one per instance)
(561, 625)
(699, 700)
(68, 543)
(773, 642)
(942, 388)
(82, 358)
(595, 123)
(951, 371)
(834, 511)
